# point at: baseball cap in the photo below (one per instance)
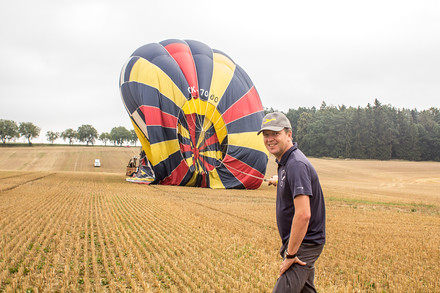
(274, 121)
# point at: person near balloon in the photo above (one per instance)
(300, 207)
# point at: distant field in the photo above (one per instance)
(68, 226)
(66, 158)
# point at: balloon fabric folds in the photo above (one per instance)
(196, 114)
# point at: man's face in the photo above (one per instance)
(277, 142)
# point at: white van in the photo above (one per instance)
(97, 163)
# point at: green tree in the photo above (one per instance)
(267, 110)
(338, 132)
(120, 134)
(29, 131)
(134, 137)
(87, 133)
(429, 135)
(105, 137)
(303, 133)
(406, 146)
(358, 133)
(293, 116)
(52, 136)
(369, 134)
(8, 130)
(69, 134)
(384, 131)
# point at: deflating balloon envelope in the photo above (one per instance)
(196, 114)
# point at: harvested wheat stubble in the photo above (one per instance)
(92, 231)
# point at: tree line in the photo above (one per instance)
(374, 132)
(86, 133)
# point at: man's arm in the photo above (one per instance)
(300, 224)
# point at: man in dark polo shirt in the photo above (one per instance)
(300, 207)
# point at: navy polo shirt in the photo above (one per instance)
(296, 176)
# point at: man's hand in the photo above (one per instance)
(287, 263)
(273, 180)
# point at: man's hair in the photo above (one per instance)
(286, 129)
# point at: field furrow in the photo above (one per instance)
(168, 229)
(16, 180)
(35, 226)
(129, 223)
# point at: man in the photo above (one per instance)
(300, 207)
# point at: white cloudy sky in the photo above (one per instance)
(60, 60)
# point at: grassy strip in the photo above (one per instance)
(381, 203)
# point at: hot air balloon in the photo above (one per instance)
(196, 114)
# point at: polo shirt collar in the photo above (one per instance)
(286, 155)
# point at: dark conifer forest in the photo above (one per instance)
(374, 132)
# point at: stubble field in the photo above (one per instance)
(66, 226)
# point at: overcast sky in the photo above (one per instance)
(60, 60)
